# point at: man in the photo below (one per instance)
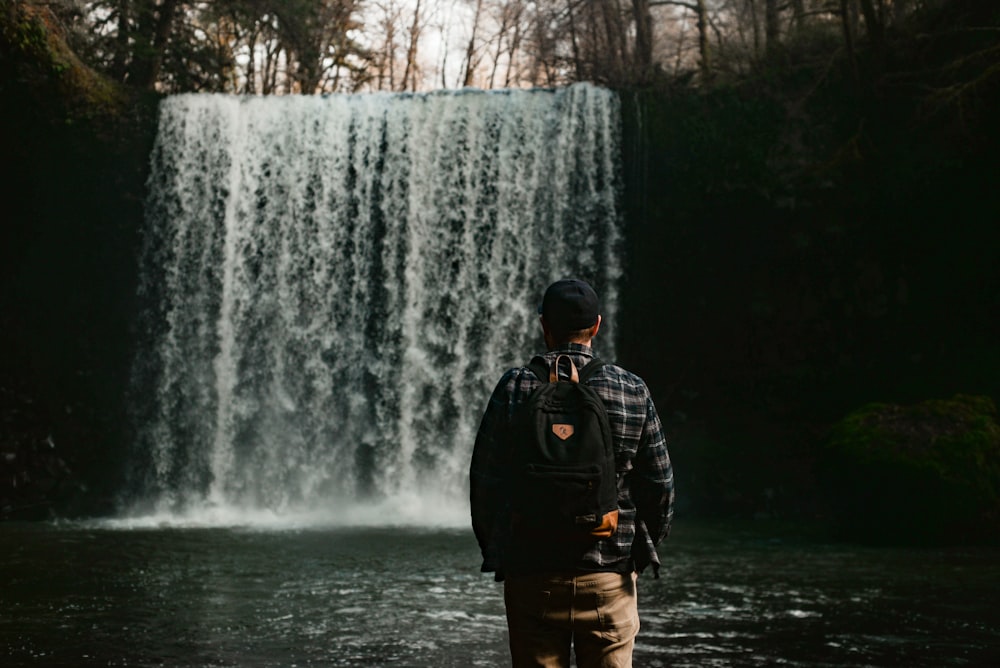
(588, 604)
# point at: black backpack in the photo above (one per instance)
(564, 485)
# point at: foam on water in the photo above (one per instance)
(397, 510)
(332, 285)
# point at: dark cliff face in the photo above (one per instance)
(794, 251)
(797, 250)
(74, 155)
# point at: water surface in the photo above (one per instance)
(735, 595)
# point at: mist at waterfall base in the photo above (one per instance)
(330, 287)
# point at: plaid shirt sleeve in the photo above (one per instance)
(651, 487)
(646, 492)
(645, 498)
(488, 476)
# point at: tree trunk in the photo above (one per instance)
(617, 39)
(704, 48)
(120, 64)
(772, 26)
(798, 14)
(501, 36)
(847, 23)
(250, 86)
(755, 22)
(578, 67)
(643, 40)
(309, 70)
(155, 23)
(269, 77)
(679, 55)
(390, 57)
(411, 51)
(471, 50)
(512, 46)
(873, 23)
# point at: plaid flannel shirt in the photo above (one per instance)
(645, 496)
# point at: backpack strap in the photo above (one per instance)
(592, 367)
(574, 375)
(539, 367)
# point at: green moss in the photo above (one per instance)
(926, 473)
(35, 55)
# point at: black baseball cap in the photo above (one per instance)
(570, 305)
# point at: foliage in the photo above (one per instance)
(928, 472)
(264, 46)
(36, 58)
(312, 46)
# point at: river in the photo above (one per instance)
(113, 594)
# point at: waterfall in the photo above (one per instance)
(331, 286)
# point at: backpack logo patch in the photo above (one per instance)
(563, 431)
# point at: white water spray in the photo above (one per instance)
(332, 285)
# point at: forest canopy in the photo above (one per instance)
(323, 46)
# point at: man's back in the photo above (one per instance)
(640, 453)
(583, 600)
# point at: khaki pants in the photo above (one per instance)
(596, 613)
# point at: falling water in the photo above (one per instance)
(332, 285)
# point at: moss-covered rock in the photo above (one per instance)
(922, 474)
(35, 59)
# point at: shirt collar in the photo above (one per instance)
(573, 348)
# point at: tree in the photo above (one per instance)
(410, 73)
(314, 36)
(247, 46)
(471, 58)
(309, 46)
(772, 26)
(643, 38)
(125, 39)
(700, 10)
(507, 40)
(154, 23)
